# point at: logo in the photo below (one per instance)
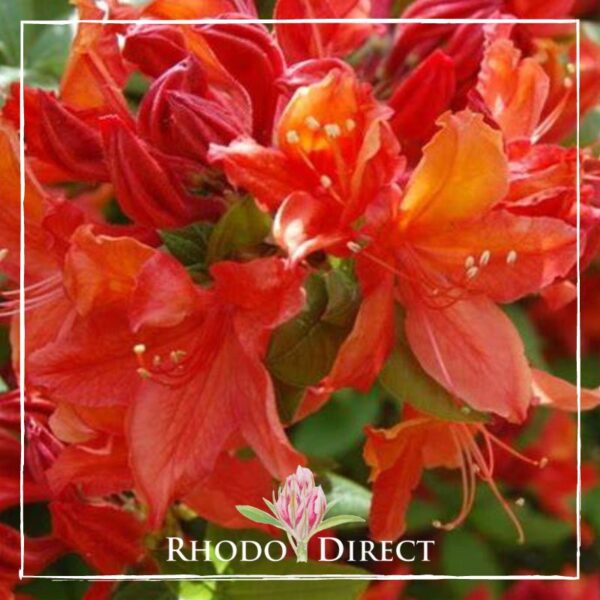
(299, 509)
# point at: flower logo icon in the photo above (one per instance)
(299, 509)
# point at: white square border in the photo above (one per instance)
(372, 577)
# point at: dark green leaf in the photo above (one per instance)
(243, 226)
(148, 590)
(347, 411)
(491, 520)
(465, 553)
(295, 589)
(189, 245)
(302, 351)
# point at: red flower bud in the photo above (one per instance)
(181, 115)
(252, 57)
(420, 99)
(154, 48)
(146, 189)
(71, 143)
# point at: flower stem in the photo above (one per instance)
(301, 552)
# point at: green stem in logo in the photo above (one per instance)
(301, 552)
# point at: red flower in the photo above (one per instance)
(334, 155)
(201, 342)
(398, 457)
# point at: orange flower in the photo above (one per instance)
(398, 457)
(334, 154)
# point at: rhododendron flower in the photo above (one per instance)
(334, 155)
(398, 457)
(227, 221)
(453, 254)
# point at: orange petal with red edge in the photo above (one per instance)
(462, 174)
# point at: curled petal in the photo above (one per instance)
(462, 174)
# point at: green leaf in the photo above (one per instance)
(294, 589)
(464, 553)
(188, 244)
(350, 497)
(47, 53)
(243, 226)
(11, 14)
(258, 516)
(333, 522)
(532, 340)
(347, 411)
(404, 378)
(148, 590)
(540, 530)
(302, 351)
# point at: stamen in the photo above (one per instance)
(144, 373)
(312, 123)
(292, 137)
(178, 355)
(354, 247)
(511, 257)
(333, 130)
(469, 262)
(484, 259)
(139, 349)
(472, 272)
(520, 502)
(350, 124)
(3, 253)
(325, 181)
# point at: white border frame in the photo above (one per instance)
(373, 577)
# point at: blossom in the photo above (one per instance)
(398, 457)
(330, 162)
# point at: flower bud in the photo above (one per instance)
(146, 189)
(154, 48)
(301, 505)
(252, 58)
(181, 115)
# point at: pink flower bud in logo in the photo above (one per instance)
(300, 507)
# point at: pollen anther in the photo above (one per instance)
(3, 253)
(472, 272)
(469, 262)
(350, 124)
(325, 181)
(484, 259)
(312, 123)
(139, 349)
(511, 257)
(333, 130)
(144, 373)
(292, 137)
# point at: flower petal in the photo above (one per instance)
(463, 173)
(474, 351)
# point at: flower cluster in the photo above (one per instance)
(227, 223)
